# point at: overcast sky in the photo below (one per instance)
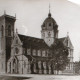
(30, 15)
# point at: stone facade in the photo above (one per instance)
(6, 37)
(22, 54)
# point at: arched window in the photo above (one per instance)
(43, 53)
(10, 66)
(9, 30)
(28, 51)
(17, 50)
(39, 53)
(49, 24)
(34, 52)
(14, 61)
(2, 30)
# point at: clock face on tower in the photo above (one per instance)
(49, 34)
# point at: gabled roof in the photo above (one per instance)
(66, 41)
(32, 42)
(8, 17)
(62, 39)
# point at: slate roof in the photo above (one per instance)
(62, 39)
(8, 17)
(50, 19)
(33, 42)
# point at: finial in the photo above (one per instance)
(49, 7)
(49, 15)
(15, 15)
(4, 12)
(16, 30)
(67, 33)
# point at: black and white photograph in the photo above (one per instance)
(39, 39)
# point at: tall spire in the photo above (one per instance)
(49, 7)
(49, 15)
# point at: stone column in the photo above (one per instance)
(39, 65)
(29, 66)
(44, 65)
(34, 68)
(49, 69)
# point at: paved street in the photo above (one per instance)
(39, 77)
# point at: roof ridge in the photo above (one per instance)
(62, 37)
(35, 42)
(30, 36)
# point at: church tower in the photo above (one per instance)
(6, 37)
(49, 30)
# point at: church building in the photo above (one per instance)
(20, 54)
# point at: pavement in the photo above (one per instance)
(38, 77)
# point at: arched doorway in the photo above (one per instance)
(32, 68)
(15, 66)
